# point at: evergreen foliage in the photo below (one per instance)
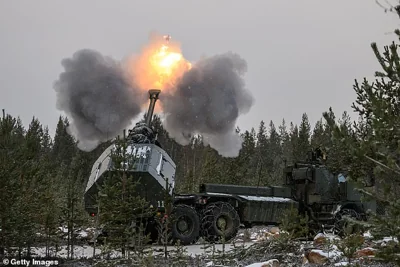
(120, 208)
(369, 151)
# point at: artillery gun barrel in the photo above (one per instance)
(154, 93)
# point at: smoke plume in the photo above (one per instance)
(101, 96)
(207, 100)
(97, 97)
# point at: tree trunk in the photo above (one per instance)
(72, 229)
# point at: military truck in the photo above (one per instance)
(326, 198)
(218, 211)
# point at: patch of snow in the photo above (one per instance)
(368, 234)
(255, 236)
(320, 235)
(83, 234)
(388, 239)
(343, 263)
(338, 208)
(63, 229)
(332, 237)
(270, 199)
(329, 255)
(255, 198)
(265, 263)
(79, 252)
(195, 250)
(257, 264)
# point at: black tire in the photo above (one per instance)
(342, 225)
(220, 222)
(185, 225)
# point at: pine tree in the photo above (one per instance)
(120, 206)
(318, 136)
(64, 145)
(239, 170)
(285, 143)
(297, 154)
(275, 162)
(373, 147)
(304, 136)
(211, 171)
(72, 182)
(11, 156)
(261, 152)
(28, 178)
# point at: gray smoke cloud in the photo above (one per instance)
(97, 97)
(207, 100)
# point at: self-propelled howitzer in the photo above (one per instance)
(153, 169)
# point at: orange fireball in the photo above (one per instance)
(167, 67)
(158, 66)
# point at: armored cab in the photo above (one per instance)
(324, 196)
(152, 167)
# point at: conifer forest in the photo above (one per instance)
(43, 178)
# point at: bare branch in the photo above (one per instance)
(379, 4)
(382, 165)
(387, 2)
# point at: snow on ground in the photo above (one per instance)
(79, 252)
(270, 263)
(87, 251)
(332, 254)
(194, 250)
(245, 238)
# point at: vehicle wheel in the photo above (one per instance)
(185, 225)
(220, 222)
(343, 226)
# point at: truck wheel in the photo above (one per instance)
(343, 226)
(220, 222)
(185, 224)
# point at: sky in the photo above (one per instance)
(302, 56)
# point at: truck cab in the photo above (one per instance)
(323, 195)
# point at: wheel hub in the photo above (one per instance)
(221, 223)
(182, 225)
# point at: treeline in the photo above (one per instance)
(43, 178)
